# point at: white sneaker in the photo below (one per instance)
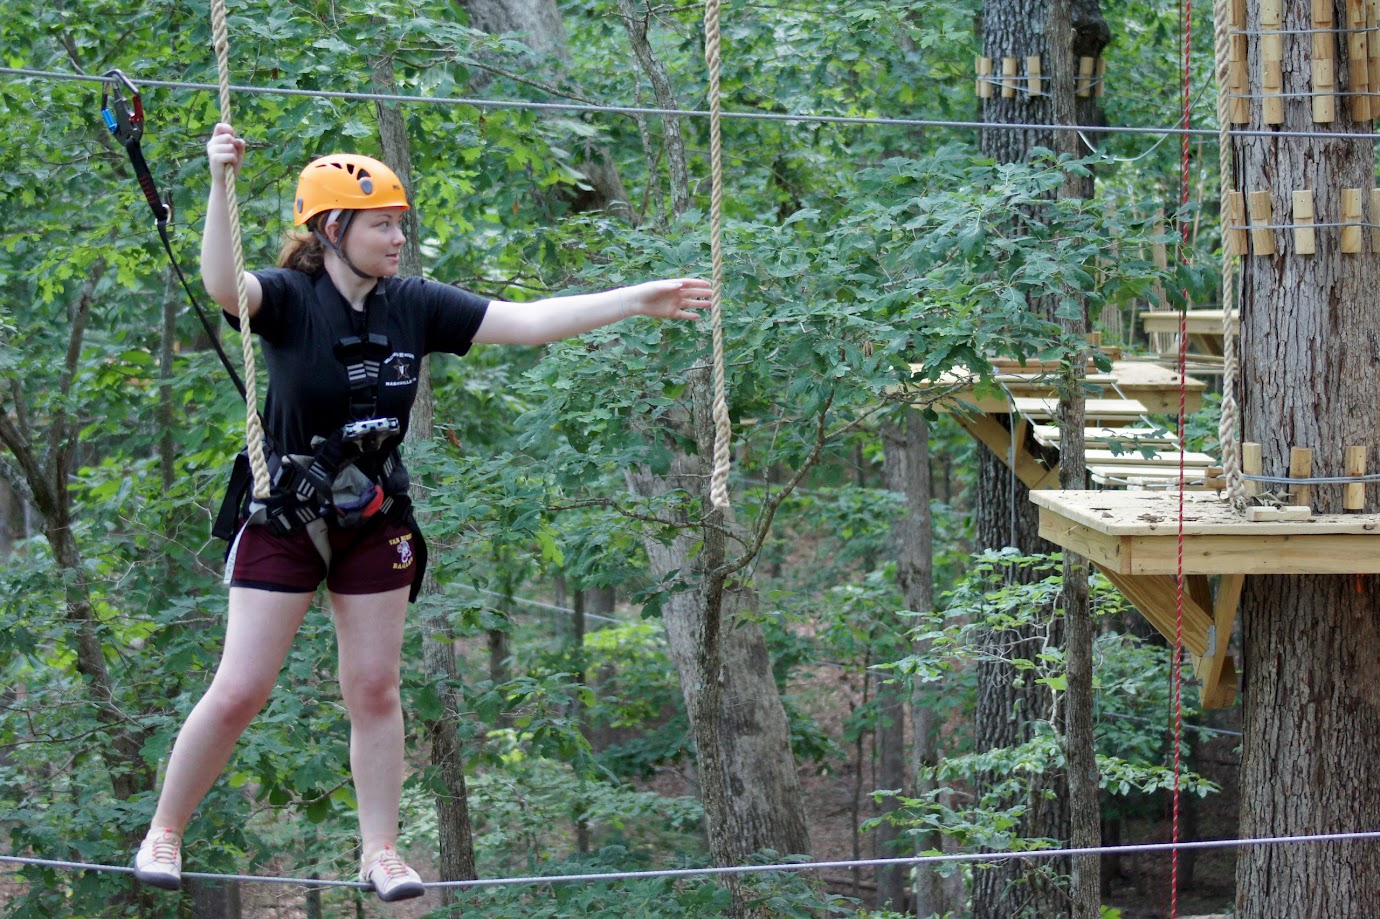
(159, 860)
(390, 877)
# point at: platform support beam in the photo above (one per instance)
(1001, 440)
(1205, 634)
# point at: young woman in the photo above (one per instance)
(342, 336)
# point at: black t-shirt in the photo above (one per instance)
(301, 319)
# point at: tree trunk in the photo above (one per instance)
(1009, 699)
(906, 469)
(454, 829)
(748, 784)
(1080, 754)
(1310, 647)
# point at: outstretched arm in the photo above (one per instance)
(217, 255)
(555, 318)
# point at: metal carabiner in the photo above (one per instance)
(126, 119)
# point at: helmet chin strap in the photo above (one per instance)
(343, 218)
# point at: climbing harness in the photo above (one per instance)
(349, 478)
(122, 109)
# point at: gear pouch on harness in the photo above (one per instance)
(354, 497)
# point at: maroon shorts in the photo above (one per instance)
(379, 557)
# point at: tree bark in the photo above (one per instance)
(748, 784)
(454, 829)
(906, 469)
(1309, 339)
(1009, 699)
(1080, 754)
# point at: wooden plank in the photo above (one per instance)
(1037, 408)
(1131, 437)
(1121, 514)
(1132, 456)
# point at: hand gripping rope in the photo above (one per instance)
(123, 113)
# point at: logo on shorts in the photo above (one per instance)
(404, 545)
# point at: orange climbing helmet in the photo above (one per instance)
(346, 181)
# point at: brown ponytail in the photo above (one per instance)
(302, 250)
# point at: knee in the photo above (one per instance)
(372, 695)
(234, 703)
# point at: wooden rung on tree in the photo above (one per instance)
(1324, 63)
(1008, 78)
(1305, 237)
(1034, 83)
(1354, 464)
(984, 77)
(1300, 467)
(1087, 66)
(1352, 218)
(1373, 31)
(1375, 217)
(1261, 216)
(1236, 223)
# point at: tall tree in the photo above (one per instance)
(1309, 642)
(453, 826)
(1017, 29)
(906, 470)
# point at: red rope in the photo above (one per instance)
(1176, 669)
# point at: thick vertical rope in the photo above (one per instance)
(253, 427)
(723, 431)
(1228, 426)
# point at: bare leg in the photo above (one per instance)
(369, 631)
(258, 633)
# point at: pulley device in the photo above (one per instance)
(123, 112)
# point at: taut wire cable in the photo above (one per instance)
(723, 430)
(782, 867)
(790, 117)
(253, 428)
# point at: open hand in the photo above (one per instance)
(674, 298)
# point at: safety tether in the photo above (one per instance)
(723, 430)
(122, 109)
(253, 428)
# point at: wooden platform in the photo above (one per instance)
(1124, 400)
(1154, 387)
(1204, 327)
(1132, 537)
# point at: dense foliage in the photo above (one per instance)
(858, 256)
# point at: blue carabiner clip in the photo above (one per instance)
(126, 119)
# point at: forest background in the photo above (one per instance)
(577, 566)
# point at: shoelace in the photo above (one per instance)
(392, 864)
(164, 849)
